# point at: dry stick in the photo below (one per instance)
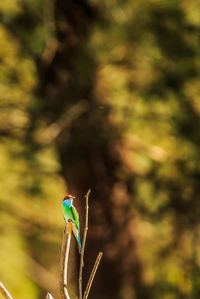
(83, 244)
(4, 292)
(64, 259)
(87, 290)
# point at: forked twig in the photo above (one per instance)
(4, 292)
(83, 244)
(89, 284)
(64, 259)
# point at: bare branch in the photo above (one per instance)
(64, 259)
(83, 244)
(4, 292)
(87, 290)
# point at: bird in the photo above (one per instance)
(71, 214)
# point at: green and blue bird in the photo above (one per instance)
(71, 214)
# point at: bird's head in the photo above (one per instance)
(68, 199)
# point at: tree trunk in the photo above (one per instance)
(91, 151)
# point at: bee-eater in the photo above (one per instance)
(71, 214)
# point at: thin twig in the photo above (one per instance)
(83, 244)
(87, 290)
(49, 296)
(4, 292)
(64, 259)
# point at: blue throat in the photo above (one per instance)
(68, 202)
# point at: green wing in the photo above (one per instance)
(75, 215)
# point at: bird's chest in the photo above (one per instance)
(67, 212)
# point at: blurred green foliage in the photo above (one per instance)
(149, 65)
(30, 180)
(147, 70)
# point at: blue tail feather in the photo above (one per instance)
(79, 240)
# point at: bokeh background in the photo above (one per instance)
(102, 95)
